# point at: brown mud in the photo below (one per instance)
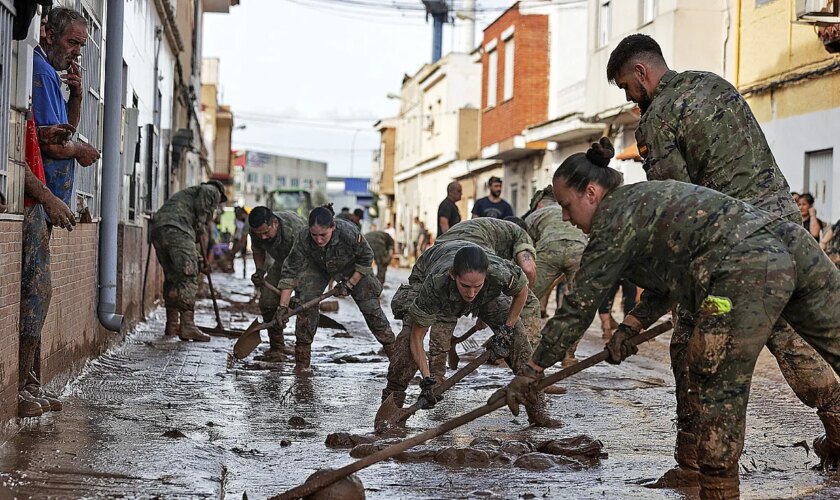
(258, 429)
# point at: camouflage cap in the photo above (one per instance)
(547, 192)
(218, 185)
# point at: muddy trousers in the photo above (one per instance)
(555, 259)
(35, 289)
(178, 256)
(765, 278)
(312, 283)
(382, 263)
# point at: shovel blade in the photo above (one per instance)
(389, 414)
(325, 321)
(248, 341)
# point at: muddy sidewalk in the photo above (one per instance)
(157, 417)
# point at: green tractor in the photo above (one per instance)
(292, 200)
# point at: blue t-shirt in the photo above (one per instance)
(486, 208)
(50, 108)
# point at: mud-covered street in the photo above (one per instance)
(158, 417)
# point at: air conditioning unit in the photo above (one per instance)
(821, 12)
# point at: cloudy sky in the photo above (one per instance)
(308, 78)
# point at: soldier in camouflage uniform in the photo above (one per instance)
(559, 247)
(355, 217)
(177, 227)
(272, 234)
(383, 250)
(504, 239)
(697, 128)
(450, 280)
(331, 249)
(694, 246)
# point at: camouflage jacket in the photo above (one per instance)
(665, 236)
(291, 224)
(546, 226)
(189, 209)
(346, 216)
(346, 252)
(699, 129)
(380, 242)
(438, 294)
(501, 237)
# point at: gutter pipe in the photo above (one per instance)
(110, 188)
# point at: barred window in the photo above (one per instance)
(86, 182)
(6, 19)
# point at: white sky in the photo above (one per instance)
(323, 61)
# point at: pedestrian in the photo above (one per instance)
(451, 280)
(272, 236)
(423, 239)
(177, 228)
(389, 228)
(448, 213)
(492, 205)
(808, 212)
(559, 246)
(331, 249)
(696, 127)
(382, 245)
(737, 268)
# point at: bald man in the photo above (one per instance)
(448, 213)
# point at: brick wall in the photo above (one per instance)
(10, 241)
(529, 104)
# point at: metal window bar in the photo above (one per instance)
(87, 178)
(6, 19)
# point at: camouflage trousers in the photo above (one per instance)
(382, 263)
(403, 368)
(269, 301)
(312, 283)
(554, 261)
(177, 254)
(35, 279)
(766, 277)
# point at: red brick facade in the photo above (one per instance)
(529, 104)
(10, 241)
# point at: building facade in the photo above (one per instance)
(257, 173)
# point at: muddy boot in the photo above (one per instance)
(677, 478)
(27, 406)
(27, 354)
(399, 397)
(685, 451)
(173, 327)
(33, 387)
(569, 359)
(276, 352)
(719, 488)
(538, 416)
(607, 327)
(303, 358)
(827, 446)
(188, 329)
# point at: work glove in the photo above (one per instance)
(427, 398)
(343, 289)
(619, 348)
(281, 315)
(258, 277)
(521, 390)
(499, 344)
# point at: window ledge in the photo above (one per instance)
(11, 217)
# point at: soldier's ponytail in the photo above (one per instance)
(579, 169)
(470, 259)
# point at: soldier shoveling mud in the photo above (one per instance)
(382, 245)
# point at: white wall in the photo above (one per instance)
(791, 138)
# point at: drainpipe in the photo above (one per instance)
(110, 189)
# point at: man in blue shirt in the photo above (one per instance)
(493, 205)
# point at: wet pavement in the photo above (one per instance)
(157, 417)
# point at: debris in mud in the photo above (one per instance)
(350, 358)
(581, 447)
(174, 434)
(543, 461)
(346, 488)
(347, 440)
(247, 453)
(555, 389)
(284, 443)
(328, 306)
(342, 335)
(297, 422)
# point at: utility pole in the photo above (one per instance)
(439, 11)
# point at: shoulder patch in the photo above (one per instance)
(643, 150)
(359, 238)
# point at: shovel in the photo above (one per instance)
(249, 340)
(453, 358)
(330, 477)
(324, 321)
(219, 329)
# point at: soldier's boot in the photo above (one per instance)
(827, 446)
(26, 363)
(27, 406)
(569, 359)
(538, 415)
(276, 351)
(303, 358)
(399, 396)
(687, 473)
(719, 488)
(188, 329)
(173, 327)
(33, 387)
(606, 325)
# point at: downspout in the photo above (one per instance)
(110, 189)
